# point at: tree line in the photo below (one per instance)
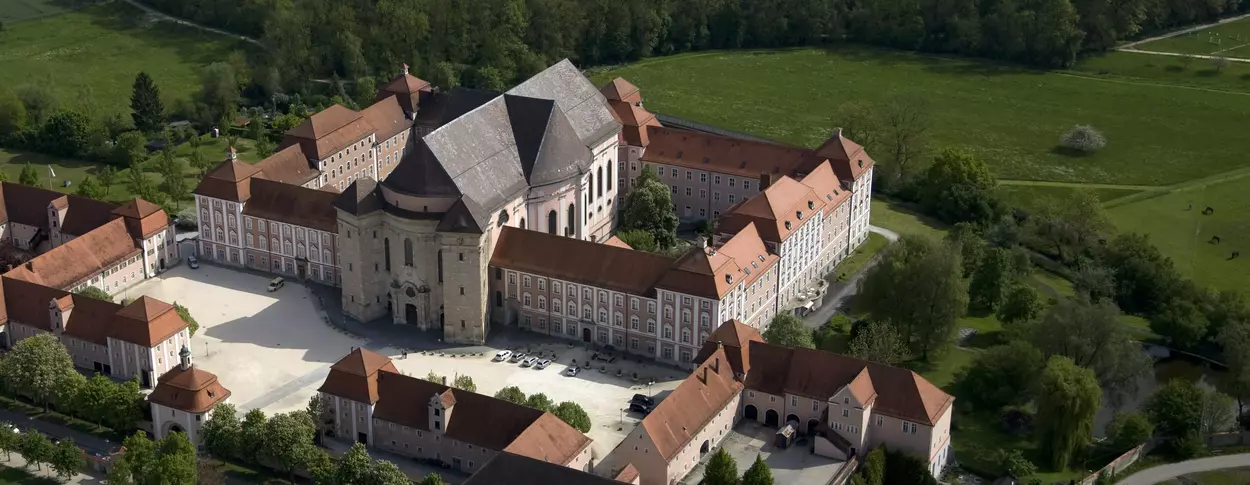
(494, 43)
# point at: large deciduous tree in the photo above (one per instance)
(147, 110)
(36, 448)
(721, 469)
(1127, 430)
(1066, 405)
(649, 207)
(880, 342)
(221, 434)
(170, 460)
(958, 187)
(288, 441)
(917, 286)
(1176, 409)
(1145, 279)
(511, 394)
(1091, 335)
(1001, 376)
(40, 368)
(788, 330)
(573, 414)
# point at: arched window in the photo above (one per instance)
(440, 266)
(273, 244)
(325, 256)
(386, 249)
(498, 298)
(553, 219)
(221, 235)
(407, 252)
(542, 302)
(287, 247)
(610, 179)
(600, 184)
(572, 310)
(522, 223)
(250, 241)
(555, 305)
(572, 217)
(685, 336)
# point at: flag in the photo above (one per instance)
(52, 173)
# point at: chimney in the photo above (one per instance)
(185, 358)
(404, 70)
(444, 380)
(700, 242)
(232, 154)
(765, 181)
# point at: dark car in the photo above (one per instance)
(639, 408)
(643, 400)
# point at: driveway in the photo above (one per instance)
(841, 292)
(272, 350)
(1161, 473)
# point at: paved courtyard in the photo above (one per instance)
(272, 350)
(602, 394)
(795, 464)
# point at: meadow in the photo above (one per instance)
(90, 57)
(1228, 39)
(14, 11)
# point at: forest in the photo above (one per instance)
(494, 43)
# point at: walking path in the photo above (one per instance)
(1128, 46)
(1079, 185)
(1162, 473)
(835, 299)
(1179, 54)
(164, 16)
(15, 460)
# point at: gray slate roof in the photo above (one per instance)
(538, 133)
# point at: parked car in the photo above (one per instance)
(276, 284)
(643, 400)
(502, 355)
(517, 357)
(193, 263)
(542, 364)
(572, 371)
(639, 408)
(529, 361)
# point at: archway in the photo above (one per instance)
(552, 221)
(410, 314)
(173, 428)
(792, 419)
(771, 417)
(812, 426)
(586, 334)
(751, 412)
(707, 446)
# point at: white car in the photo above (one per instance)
(572, 371)
(502, 355)
(529, 362)
(542, 364)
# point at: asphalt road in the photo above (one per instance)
(1161, 473)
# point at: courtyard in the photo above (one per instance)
(796, 464)
(273, 350)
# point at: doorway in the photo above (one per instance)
(585, 334)
(771, 417)
(751, 413)
(410, 314)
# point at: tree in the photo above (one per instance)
(1182, 321)
(435, 378)
(185, 314)
(1001, 376)
(146, 107)
(860, 122)
(1066, 406)
(170, 460)
(353, 466)
(9, 440)
(1020, 305)
(1234, 338)
(960, 188)
(91, 189)
(40, 368)
(649, 207)
(880, 342)
(1127, 430)
(874, 466)
(1083, 138)
(130, 150)
(1093, 281)
(1217, 412)
(638, 239)
(1176, 409)
(36, 448)
(67, 134)
(1220, 63)
(966, 237)
(125, 406)
(67, 459)
(758, 474)
(264, 147)
(221, 434)
(1145, 279)
(1091, 335)
(511, 394)
(199, 162)
(1068, 228)
(1014, 462)
(721, 469)
(12, 114)
(573, 414)
(29, 176)
(94, 292)
(905, 125)
(787, 330)
(288, 441)
(906, 469)
(993, 277)
(94, 399)
(39, 100)
(219, 90)
(432, 479)
(830, 336)
(251, 435)
(386, 473)
(317, 409)
(140, 184)
(464, 382)
(541, 402)
(917, 286)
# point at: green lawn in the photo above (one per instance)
(1151, 68)
(92, 55)
(14, 11)
(1011, 117)
(1185, 234)
(1217, 40)
(895, 217)
(862, 255)
(1030, 197)
(1234, 476)
(17, 476)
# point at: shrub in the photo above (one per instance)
(1083, 138)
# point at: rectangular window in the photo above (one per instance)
(794, 401)
(746, 185)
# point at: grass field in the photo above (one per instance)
(1171, 70)
(1227, 39)
(92, 55)
(14, 11)
(17, 476)
(1011, 117)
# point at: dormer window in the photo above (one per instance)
(436, 411)
(729, 278)
(788, 225)
(811, 205)
(761, 258)
(799, 215)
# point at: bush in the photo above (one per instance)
(1083, 138)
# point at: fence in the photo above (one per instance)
(1121, 462)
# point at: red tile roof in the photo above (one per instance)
(717, 153)
(619, 89)
(676, 420)
(289, 166)
(777, 212)
(851, 161)
(329, 131)
(228, 181)
(355, 376)
(145, 322)
(570, 259)
(387, 117)
(192, 390)
(143, 218)
(83, 215)
(293, 204)
(735, 338)
(82, 257)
